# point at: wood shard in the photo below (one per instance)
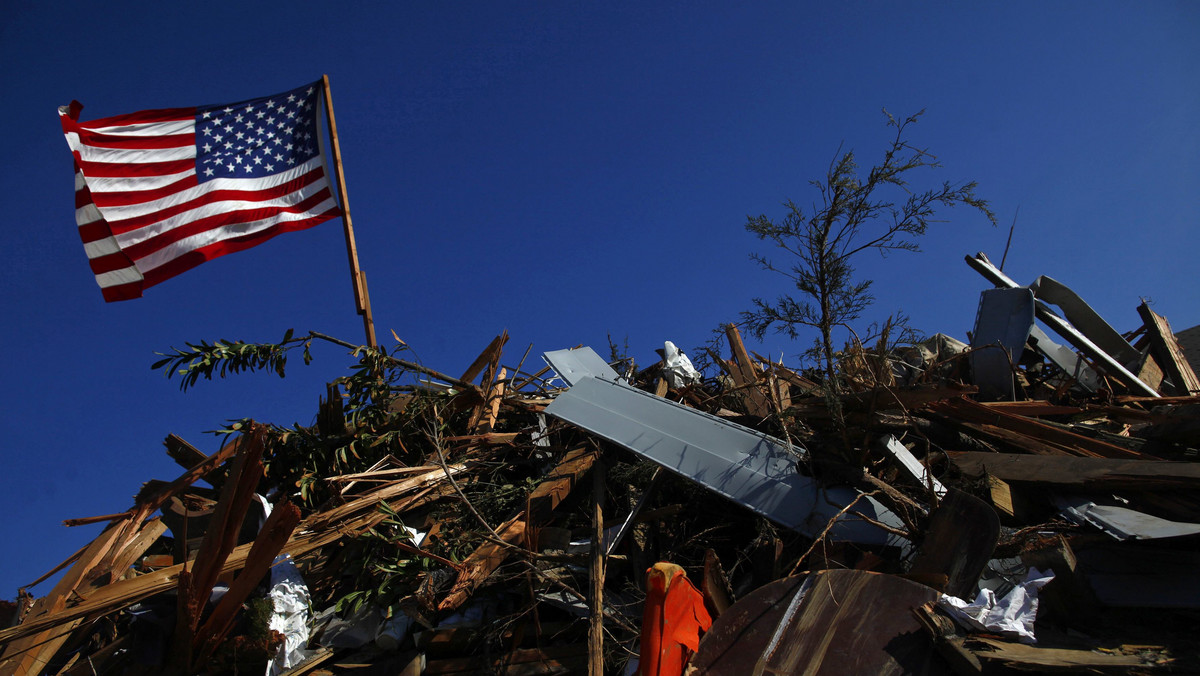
(1168, 354)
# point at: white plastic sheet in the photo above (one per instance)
(291, 616)
(1012, 615)
(678, 367)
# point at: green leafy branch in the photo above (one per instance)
(225, 357)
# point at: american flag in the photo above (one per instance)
(159, 192)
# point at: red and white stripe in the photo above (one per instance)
(143, 215)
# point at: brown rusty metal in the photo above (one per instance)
(848, 622)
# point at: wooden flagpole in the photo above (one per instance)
(362, 299)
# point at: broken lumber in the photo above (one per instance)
(1167, 352)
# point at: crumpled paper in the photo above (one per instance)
(1013, 615)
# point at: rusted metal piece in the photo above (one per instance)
(848, 622)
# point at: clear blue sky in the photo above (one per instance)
(563, 170)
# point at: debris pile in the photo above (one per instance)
(1006, 504)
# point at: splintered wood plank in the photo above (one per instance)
(368, 501)
(1032, 658)
(29, 651)
(784, 373)
(221, 536)
(596, 578)
(885, 399)
(488, 358)
(546, 497)
(274, 536)
(1167, 352)
(158, 496)
(744, 373)
(1150, 372)
(1032, 409)
(183, 453)
(62, 620)
(1001, 494)
(1107, 473)
(106, 558)
(487, 362)
(1033, 436)
(146, 537)
(491, 407)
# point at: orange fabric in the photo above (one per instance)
(673, 618)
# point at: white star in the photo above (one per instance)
(291, 160)
(270, 134)
(291, 114)
(228, 145)
(239, 135)
(249, 108)
(229, 128)
(290, 147)
(261, 114)
(230, 167)
(237, 118)
(270, 104)
(270, 167)
(208, 131)
(218, 138)
(206, 115)
(238, 159)
(248, 168)
(208, 171)
(278, 157)
(291, 97)
(228, 111)
(278, 141)
(258, 160)
(207, 147)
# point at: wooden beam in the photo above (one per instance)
(358, 279)
(548, 495)
(744, 373)
(596, 578)
(274, 536)
(1091, 473)
(1032, 435)
(1167, 352)
(184, 454)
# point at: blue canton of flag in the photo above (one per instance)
(257, 138)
